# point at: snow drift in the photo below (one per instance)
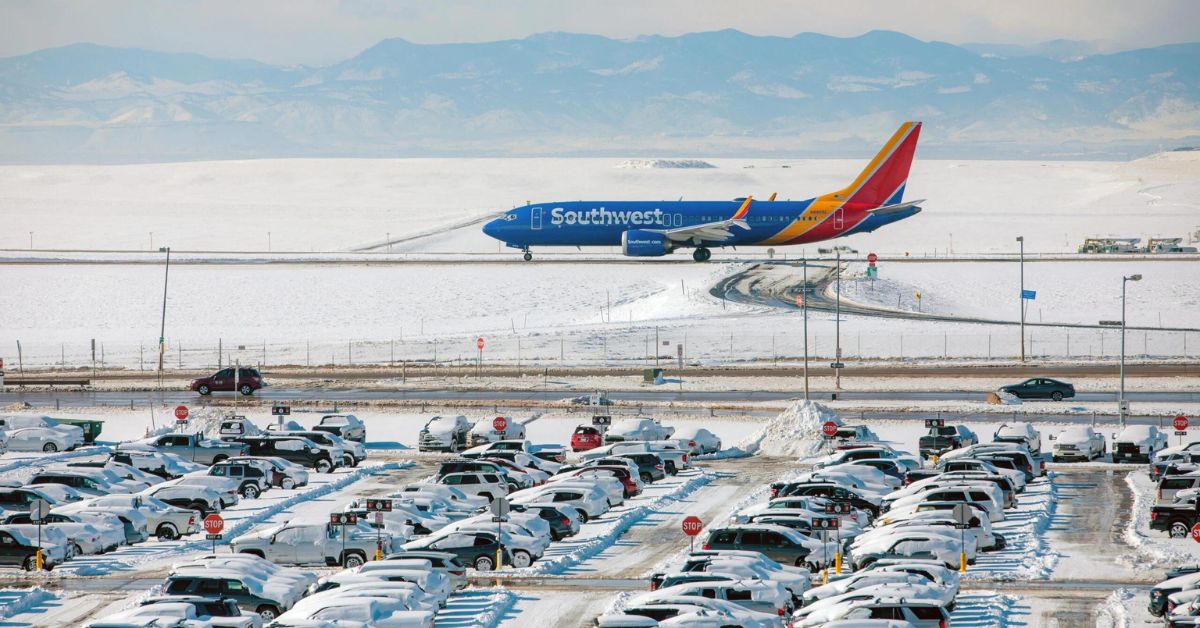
(795, 432)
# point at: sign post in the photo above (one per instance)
(825, 524)
(181, 413)
(499, 515)
(829, 429)
(1181, 427)
(38, 509)
(691, 527)
(962, 521)
(341, 520)
(500, 424)
(838, 508)
(213, 524)
(379, 506)
(479, 364)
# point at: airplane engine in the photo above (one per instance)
(642, 243)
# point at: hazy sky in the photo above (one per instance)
(324, 31)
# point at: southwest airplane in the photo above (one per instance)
(655, 228)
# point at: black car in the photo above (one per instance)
(19, 552)
(227, 587)
(297, 449)
(474, 549)
(650, 466)
(1041, 388)
(560, 524)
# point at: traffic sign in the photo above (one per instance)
(825, 523)
(379, 505)
(692, 525)
(343, 519)
(1029, 295)
(835, 508)
(38, 509)
(935, 422)
(281, 410)
(499, 508)
(213, 537)
(1196, 533)
(479, 343)
(962, 516)
(181, 413)
(499, 424)
(837, 365)
(1180, 423)
(829, 429)
(601, 419)
(213, 524)
(871, 257)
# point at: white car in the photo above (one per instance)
(957, 465)
(456, 499)
(750, 564)
(1021, 433)
(158, 463)
(166, 521)
(444, 433)
(413, 596)
(698, 440)
(486, 485)
(419, 571)
(643, 429)
(86, 533)
(291, 475)
(379, 611)
(915, 543)
(484, 432)
(612, 488)
(591, 502)
(1079, 443)
(12, 422)
(731, 613)
(172, 614)
(1138, 443)
(861, 580)
(753, 594)
(44, 439)
(985, 493)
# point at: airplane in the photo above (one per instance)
(657, 228)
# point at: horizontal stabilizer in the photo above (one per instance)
(898, 207)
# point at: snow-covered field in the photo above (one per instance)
(340, 204)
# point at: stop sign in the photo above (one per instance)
(1196, 533)
(181, 413)
(479, 343)
(1181, 424)
(692, 525)
(213, 524)
(871, 257)
(829, 428)
(499, 423)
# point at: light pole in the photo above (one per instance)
(1021, 300)
(837, 327)
(1121, 406)
(162, 330)
(804, 308)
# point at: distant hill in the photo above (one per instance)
(704, 94)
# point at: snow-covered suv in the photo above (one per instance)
(637, 429)
(314, 542)
(444, 433)
(489, 485)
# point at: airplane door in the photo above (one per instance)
(535, 218)
(837, 220)
(678, 220)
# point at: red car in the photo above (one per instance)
(586, 437)
(248, 381)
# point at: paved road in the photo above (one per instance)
(664, 394)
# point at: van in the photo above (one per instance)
(1169, 485)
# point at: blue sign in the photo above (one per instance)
(1028, 294)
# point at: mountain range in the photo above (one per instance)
(722, 93)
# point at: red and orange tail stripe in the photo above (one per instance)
(743, 210)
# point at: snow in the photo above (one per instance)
(477, 608)
(795, 432)
(18, 601)
(988, 609)
(1152, 549)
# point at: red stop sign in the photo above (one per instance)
(479, 343)
(829, 428)
(692, 525)
(181, 413)
(1181, 424)
(871, 257)
(499, 423)
(1196, 533)
(213, 524)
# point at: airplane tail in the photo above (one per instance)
(883, 180)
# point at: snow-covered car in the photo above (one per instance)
(288, 475)
(252, 477)
(1138, 443)
(44, 439)
(912, 544)
(345, 426)
(591, 502)
(763, 596)
(13, 422)
(954, 465)
(92, 485)
(844, 456)
(698, 440)
(641, 429)
(444, 433)
(225, 487)
(166, 521)
(86, 532)
(984, 493)
(256, 585)
(486, 485)
(1021, 433)
(19, 498)
(862, 580)
(458, 499)
(730, 613)
(199, 498)
(309, 542)
(123, 478)
(191, 611)
(611, 487)
(745, 564)
(1079, 443)
(380, 611)
(855, 433)
(484, 432)
(20, 544)
(162, 464)
(911, 612)
(237, 426)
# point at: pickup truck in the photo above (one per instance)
(637, 430)
(314, 542)
(1178, 517)
(193, 447)
(939, 440)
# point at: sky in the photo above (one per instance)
(320, 32)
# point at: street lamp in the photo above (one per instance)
(837, 327)
(804, 307)
(162, 331)
(1021, 300)
(1122, 407)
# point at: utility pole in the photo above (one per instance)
(837, 325)
(804, 308)
(1122, 406)
(1021, 300)
(162, 330)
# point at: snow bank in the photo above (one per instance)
(477, 608)
(1151, 549)
(1113, 612)
(795, 432)
(984, 608)
(665, 163)
(16, 601)
(34, 461)
(1027, 554)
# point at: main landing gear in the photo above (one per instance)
(701, 254)
(528, 256)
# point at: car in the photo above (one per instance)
(444, 433)
(650, 466)
(445, 562)
(220, 611)
(202, 499)
(19, 549)
(1041, 388)
(84, 533)
(352, 452)
(917, 613)
(166, 521)
(225, 488)
(304, 542)
(640, 429)
(586, 437)
(698, 440)
(1138, 443)
(297, 449)
(169, 612)
(515, 479)
(20, 498)
(288, 475)
(1020, 433)
(779, 543)
(191, 447)
(475, 549)
(247, 381)
(11, 422)
(164, 465)
(255, 585)
(855, 433)
(917, 543)
(44, 439)
(591, 503)
(483, 431)
(235, 426)
(344, 426)
(631, 484)
(381, 611)
(486, 485)
(1078, 443)
(251, 477)
(83, 482)
(943, 438)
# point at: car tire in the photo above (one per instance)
(220, 458)
(1179, 530)
(75, 551)
(583, 516)
(200, 507)
(347, 460)
(670, 466)
(287, 484)
(246, 390)
(204, 390)
(49, 448)
(352, 560)
(521, 559)
(323, 466)
(166, 532)
(267, 612)
(484, 563)
(250, 491)
(646, 477)
(1056, 396)
(30, 563)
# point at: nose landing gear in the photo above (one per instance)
(701, 254)
(528, 256)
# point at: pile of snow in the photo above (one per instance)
(795, 432)
(16, 601)
(664, 163)
(1003, 398)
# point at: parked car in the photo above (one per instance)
(190, 447)
(182, 610)
(20, 498)
(83, 482)
(44, 439)
(779, 543)
(586, 437)
(164, 465)
(86, 534)
(314, 543)
(344, 426)
(1138, 443)
(297, 449)
(251, 477)
(474, 549)
(444, 433)
(166, 521)
(698, 440)
(641, 429)
(939, 440)
(1079, 443)
(11, 422)
(483, 432)
(590, 503)
(247, 381)
(352, 452)
(18, 549)
(1041, 388)
(487, 485)
(1020, 433)
(255, 585)
(235, 426)
(288, 475)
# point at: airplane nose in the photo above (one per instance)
(493, 227)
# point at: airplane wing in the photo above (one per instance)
(891, 209)
(711, 231)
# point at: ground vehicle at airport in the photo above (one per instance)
(1041, 388)
(247, 381)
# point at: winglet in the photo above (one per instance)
(741, 212)
(772, 196)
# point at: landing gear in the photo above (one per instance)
(528, 256)
(701, 254)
